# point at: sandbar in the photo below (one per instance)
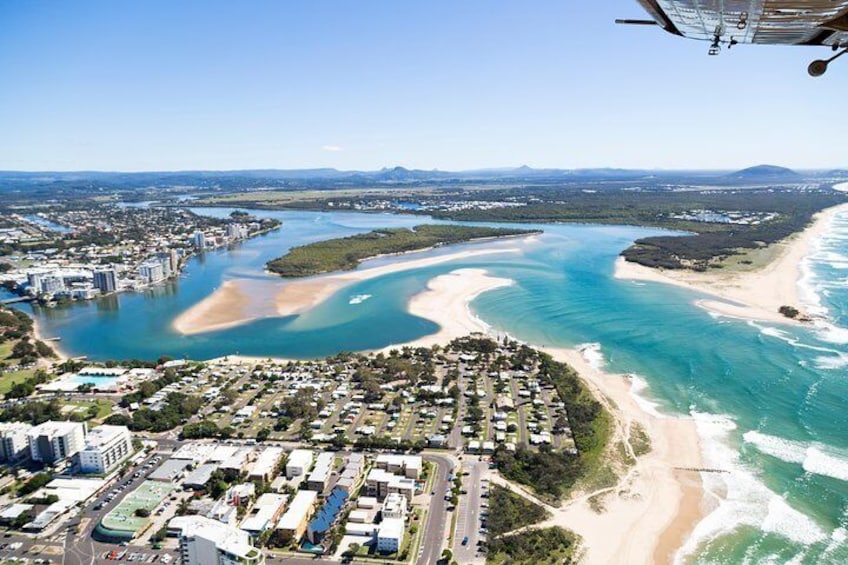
(233, 305)
(225, 308)
(446, 302)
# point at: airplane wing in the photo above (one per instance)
(773, 22)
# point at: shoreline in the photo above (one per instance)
(656, 506)
(229, 306)
(61, 356)
(751, 295)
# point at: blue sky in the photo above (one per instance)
(448, 84)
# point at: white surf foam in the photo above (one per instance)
(785, 336)
(814, 458)
(822, 463)
(784, 449)
(831, 362)
(739, 496)
(639, 392)
(831, 333)
(592, 354)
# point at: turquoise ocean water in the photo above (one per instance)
(770, 401)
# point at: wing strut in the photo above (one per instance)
(818, 67)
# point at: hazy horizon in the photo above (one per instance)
(495, 168)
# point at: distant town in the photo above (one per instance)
(80, 254)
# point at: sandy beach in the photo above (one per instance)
(656, 506)
(231, 305)
(751, 295)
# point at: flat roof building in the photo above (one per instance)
(320, 476)
(299, 462)
(390, 535)
(264, 469)
(265, 513)
(381, 483)
(54, 441)
(13, 441)
(198, 478)
(395, 506)
(293, 523)
(406, 465)
(105, 448)
(208, 542)
(170, 470)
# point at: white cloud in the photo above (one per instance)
(332, 148)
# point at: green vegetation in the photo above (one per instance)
(25, 387)
(534, 547)
(639, 440)
(9, 379)
(35, 483)
(553, 473)
(511, 511)
(89, 410)
(33, 412)
(17, 344)
(44, 500)
(177, 408)
(658, 203)
(345, 254)
(712, 242)
(205, 429)
(789, 312)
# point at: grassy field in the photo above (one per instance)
(104, 408)
(10, 379)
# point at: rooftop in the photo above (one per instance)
(101, 435)
(226, 538)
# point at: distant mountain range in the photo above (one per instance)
(396, 176)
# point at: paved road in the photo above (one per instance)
(468, 521)
(434, 533)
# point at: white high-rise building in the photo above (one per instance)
(151, 271)
(53, 441)
(51, 285)
(165, 261)
(174, 261)
(13, 441)
(105, 448)
(208, 542)
(236, 231)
